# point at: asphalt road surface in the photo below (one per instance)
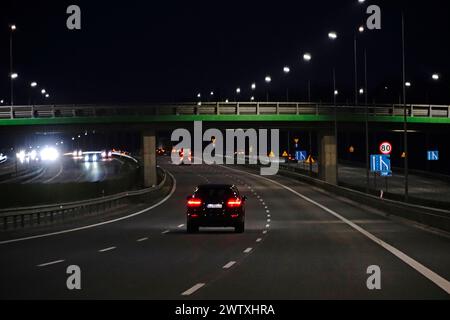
(300, 243)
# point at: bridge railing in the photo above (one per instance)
(233, 108)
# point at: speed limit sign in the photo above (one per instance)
(386, 148)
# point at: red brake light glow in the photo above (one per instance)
(234, 203)
(194, 203)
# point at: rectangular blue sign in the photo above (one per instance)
(301, 155)
(380, 163)
(433, 155)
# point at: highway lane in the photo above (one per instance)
(292, 249)
(67, 170)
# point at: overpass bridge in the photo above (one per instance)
(219, 112)
(149, 118)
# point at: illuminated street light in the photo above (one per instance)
(307, 57)
(14, 76)
(435, 77)
(33, 84)
(253, 86)
(13, 27)
(268, 79)
(238, 90)
(336, 92)
(332, 35)
(252, 98)
(286, 70)
(408, 84)
(212, 93)
(361, 29)
(47, 96)
(43, 91)
(361, 91)
(199, 95)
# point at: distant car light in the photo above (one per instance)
(49, 154)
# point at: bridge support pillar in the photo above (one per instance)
(149, 158)
(328, 157)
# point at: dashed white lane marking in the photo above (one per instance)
(441, 282)
(107, 249)
(193, 289)
(269, 216)
(268, 220)
(259, 240)
(265, 232)
(165, 232)
(142, 239)
(229, 265)
(102, 223)
(49, 263)
(181, 226)
(248, 250)
(267, 225)
(267, 211)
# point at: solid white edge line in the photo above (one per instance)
(101, 223)
(107, 249)
(229, 265)
(49, 263)
(441, 282)
(193, 289)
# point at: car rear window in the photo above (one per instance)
(216, 193)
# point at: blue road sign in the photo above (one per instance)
(301, 155)
(380, 163)
(433, 155)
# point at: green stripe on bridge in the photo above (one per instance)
(214, 118)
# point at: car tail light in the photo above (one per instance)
(194, 203)
(234, 203)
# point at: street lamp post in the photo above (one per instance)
(366, 123)
(307, 58)
(405, 112)
(333, 36)
(253, 87)
(11, 66)
(32, 86)
(268, 80)
(286, 71)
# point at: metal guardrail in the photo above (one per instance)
(20, 217)
(232, 108)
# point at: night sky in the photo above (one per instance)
(166, 51)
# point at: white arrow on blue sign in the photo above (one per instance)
(380, 163)
(433, 155)
(301, 155)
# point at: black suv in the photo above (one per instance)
(216, 205)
